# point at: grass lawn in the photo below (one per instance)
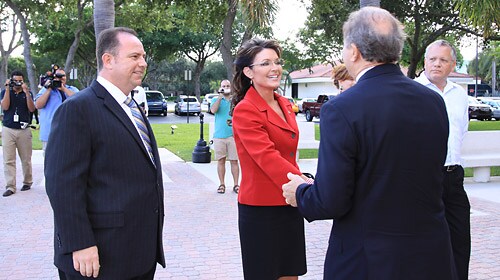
(185, 137)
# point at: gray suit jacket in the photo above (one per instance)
(103, 187)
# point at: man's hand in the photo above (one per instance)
(290, 188)
(26, 89)
(87, 262)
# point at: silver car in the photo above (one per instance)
(181, 105)
(495, 106)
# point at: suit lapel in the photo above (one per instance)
(110, 103)
(254, 97)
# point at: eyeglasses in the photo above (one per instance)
(279, 62)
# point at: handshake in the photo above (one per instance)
(290, 188)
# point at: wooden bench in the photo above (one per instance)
(481, 151)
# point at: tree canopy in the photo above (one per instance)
(425, 21)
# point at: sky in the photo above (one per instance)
(291, 16)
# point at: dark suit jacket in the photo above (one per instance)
(267, 147)
(379, 176)
(103, 187)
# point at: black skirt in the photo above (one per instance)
(272, 242)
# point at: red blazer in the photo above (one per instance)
(267, 147)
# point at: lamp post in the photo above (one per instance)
(477, 66)
(201, 152)
(187, 77)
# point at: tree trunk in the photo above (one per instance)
(364, 3)
(5, 53)
(72, 51)
(33, 83)
(4, 64)
(227, 38)
(78, 33)
(197, 75)
(104, 15)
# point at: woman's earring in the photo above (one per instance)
(251, 81)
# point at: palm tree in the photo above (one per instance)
(104, 15)
(258, 14)
(364, 3)
(483, 14)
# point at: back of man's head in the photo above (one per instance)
(377, 34)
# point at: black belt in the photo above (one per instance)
(451, 168)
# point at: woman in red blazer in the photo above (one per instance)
(266, 134)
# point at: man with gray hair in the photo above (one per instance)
(440, 60)
(382, 148)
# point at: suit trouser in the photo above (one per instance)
(19, 139)
(457, 211)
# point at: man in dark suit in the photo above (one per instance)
(379, 175)
(103, 172)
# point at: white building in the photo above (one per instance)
(311, 82)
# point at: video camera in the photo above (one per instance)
(49, 76)
(15, 83)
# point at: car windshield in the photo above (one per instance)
(154, 96)
(491, 103)
(190, 99)
(474, 101)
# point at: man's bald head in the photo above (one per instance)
(377, 34)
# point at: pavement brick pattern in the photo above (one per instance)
(200, 234)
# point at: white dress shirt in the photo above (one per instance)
(457, 106)
(120, 97)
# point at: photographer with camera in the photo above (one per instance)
(16, 105)
(224, 144)
(50, 97)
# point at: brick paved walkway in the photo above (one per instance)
(200, 234)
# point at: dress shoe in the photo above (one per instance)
(25, 188)
(8, 193)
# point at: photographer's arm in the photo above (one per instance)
(42, 97)
(6, 96)
(29, 99)
(215, 107)
(66, 90)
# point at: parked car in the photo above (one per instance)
(181, 105)
(295, 108)
(156, 103)
(478, 110)
(312, 109)
(495, 106)
(208, 99)
(307, 99)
